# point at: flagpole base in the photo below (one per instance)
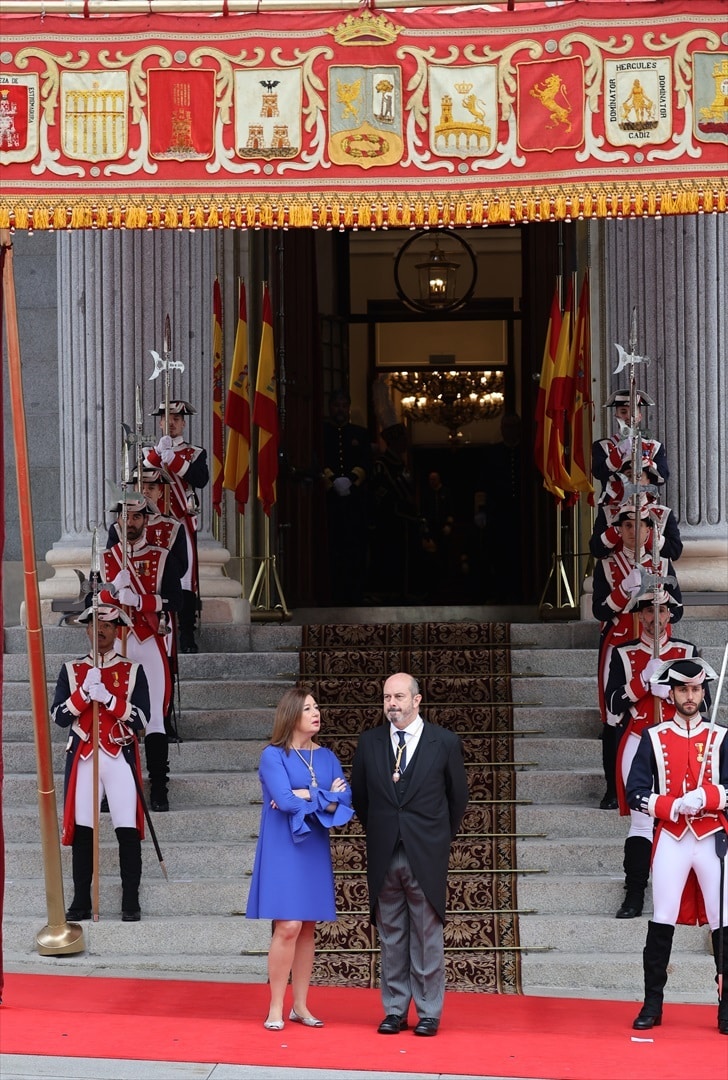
(64, 940)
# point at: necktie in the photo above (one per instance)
(403, 758)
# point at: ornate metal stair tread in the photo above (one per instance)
(370, 647)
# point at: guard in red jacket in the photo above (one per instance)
(148, 587)
(120, 688)
(679, 777)
(619, 580)
(186, 468)
(633, 703)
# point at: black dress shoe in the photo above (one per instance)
(609, 802)
(131, 916)
(647, 1019)
(629, 910)
(160, 805)
(78, 914)
(427, 1026)
(392, 1025)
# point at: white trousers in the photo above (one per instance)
(154, 660)
(116, 782)
(672, 861)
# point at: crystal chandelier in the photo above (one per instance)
(450, 398)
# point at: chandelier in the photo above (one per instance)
(450, 398)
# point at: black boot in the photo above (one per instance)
(187, 620)
(156, 748)
(723, 999)
(655, 958)
(82, 861)
(130, 867)
(637, 856)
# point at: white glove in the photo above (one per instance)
(625, 446)
(122, 580)
(93, 678)
(692, 802)
(99, 692)
(632, 583)
(650, 668)
(129, 598)
(660, 690)
(167, 456)
(165, 443)
(342, 485)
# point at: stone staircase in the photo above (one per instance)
(194, 926)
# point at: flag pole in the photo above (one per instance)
(59, 937)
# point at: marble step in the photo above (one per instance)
(231, 824)
(192, 725)
(568, 787)
(585, 855)
(691, 977)
(188, 790)
(603, 934)
(196, 694)
(542, 753)
(563, 721)
(208, 665)
(566, 822)
(213, 896)
(183, 859)
(206, 756)
(222, 936)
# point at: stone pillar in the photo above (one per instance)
(674, 271)
(114, 291)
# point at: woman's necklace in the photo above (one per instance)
(308, 764)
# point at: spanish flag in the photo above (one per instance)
(580, 413)
(265, 411)
(237, 413)
(217, 377)
(543, 420)
(558, 404)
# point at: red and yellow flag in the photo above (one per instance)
(580, 413)
(557, 405)
(237, 413)
(217, 377)
(543, 420)
(265, 411)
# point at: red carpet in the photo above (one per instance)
(482, 1034)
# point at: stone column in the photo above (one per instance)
(674, 270)
(114, 291)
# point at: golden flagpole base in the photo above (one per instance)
(64, 940)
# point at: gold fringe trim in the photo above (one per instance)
(395, 210)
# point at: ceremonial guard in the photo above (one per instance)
(605, 538)
(119, 687)
(162, 530)
(679, 777)
(347, 470)
(145, 579)
(609, 455)
(633, 703)
(187, 471)
(618, 582)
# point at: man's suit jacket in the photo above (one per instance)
(428, 816)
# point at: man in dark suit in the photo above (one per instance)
(409, 791)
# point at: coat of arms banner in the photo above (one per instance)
(432, 117)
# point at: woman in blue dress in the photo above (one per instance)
(304, 795)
